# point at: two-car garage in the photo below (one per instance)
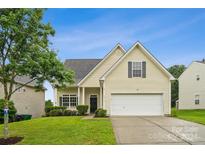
(136, 104)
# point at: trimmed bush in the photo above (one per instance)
(56, 112)
(70, 113)
(74, 112)
(82, 109)
(50, 108)
(100, 113)
(67, 113)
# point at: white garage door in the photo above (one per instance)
(136, 105)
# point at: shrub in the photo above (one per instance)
(67, 113)
(74, 113)
(12, 109)
(50, 108)
(70, 113)
(82, 109)
(56, 112)
(100, 113)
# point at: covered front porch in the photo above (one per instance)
(72, 96)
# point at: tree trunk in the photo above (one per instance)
(6, 112)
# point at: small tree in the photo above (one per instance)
(176, 71)
(48, 103)
(24, 51)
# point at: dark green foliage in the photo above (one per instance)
(48, 109)
(48, 103)
(56, 112)
(12, 109)
(70, 113)
(176, 71)
(82, 109)
(100, 113)
(67, 113)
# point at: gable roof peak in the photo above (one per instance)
(147, 53)
(118, 45)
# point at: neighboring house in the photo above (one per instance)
(123, 83)
(192, 86)
(26, 99)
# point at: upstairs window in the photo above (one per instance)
(197, 101)
(136, 69)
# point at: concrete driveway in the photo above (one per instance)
(157, 130)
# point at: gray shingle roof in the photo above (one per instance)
(202, 61)
(81, 67)
(25, 79)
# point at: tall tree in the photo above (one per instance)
(25, 51)
(176, 71)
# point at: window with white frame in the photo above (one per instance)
(70, 100)
(197, 101)
(137, 69)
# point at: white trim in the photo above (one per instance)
(170, 101)
(147, 53)
(68, 95)
(118, 45)
(78, 95)
(83, 96)
(55, 96)
(101, 96)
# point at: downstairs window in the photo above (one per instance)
(197, 101)
(70, 100)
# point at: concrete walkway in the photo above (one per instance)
(157, 130)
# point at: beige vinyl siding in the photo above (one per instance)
(65, 91)
(74, 90)
(93, 79)
(189, 87)
(28, 102)
(155, 82)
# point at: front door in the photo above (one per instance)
(93, 103)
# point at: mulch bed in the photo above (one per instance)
(10, 140)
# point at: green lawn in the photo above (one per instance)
(63, 130)
(197, 116)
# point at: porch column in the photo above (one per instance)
(101, 93)
(55, 96)
(78, 95)
(83, 99)
(101, 96)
